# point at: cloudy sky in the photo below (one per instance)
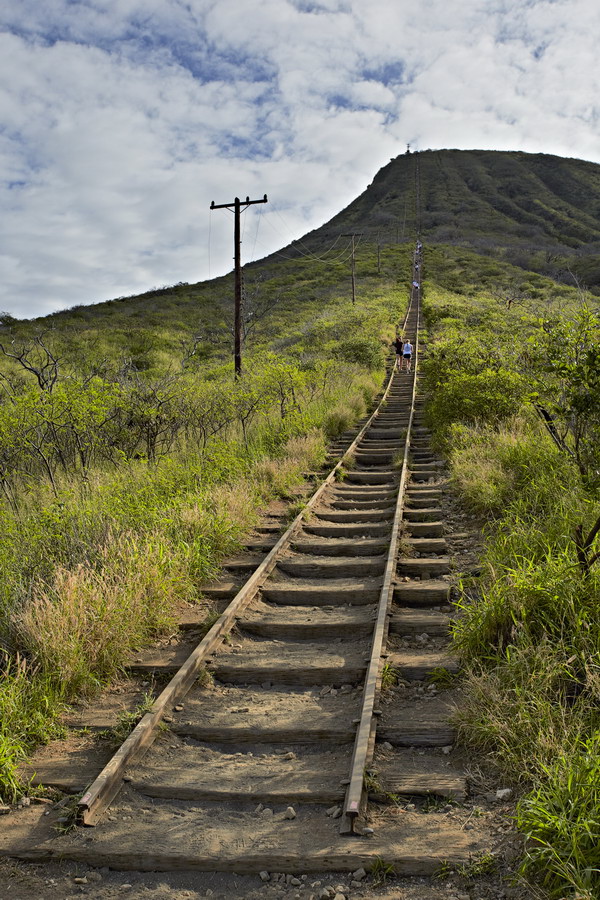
(120, 121)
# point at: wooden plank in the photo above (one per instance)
(253, 734)
(406, 861)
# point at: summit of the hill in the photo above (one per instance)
(519, 205)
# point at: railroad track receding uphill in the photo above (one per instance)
(263, 764)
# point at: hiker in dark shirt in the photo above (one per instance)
(399, 347)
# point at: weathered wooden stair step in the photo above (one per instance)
(258, 544)
(414, 503)
(340, 547)
(425, 529)
(424, 492)
(426, 784)
(302, 623)
(375, 494)
(422, 593)
(225, 590)
(291, 665)
(421, 514)
(348, 529)
(428, 545)
(331, 567)
(418, 731)
(357, 476)
(244, 563)
(427, 567)
(422, 622)
(332, 591)
(347, 511)
(332, 732)
(416, 666)
(385, 505)
(260, 845)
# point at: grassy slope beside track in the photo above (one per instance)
(529, 633)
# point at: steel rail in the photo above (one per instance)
(365, 735)
(102, 791)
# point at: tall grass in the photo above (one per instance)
(528, 632)
(529, 637)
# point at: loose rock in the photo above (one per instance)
(386, 746)
(264, 876)
(359, 874)
(503, 794)
(290, 813)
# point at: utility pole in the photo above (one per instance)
(236, 206)
(354, 235)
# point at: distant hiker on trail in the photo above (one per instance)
(399, 345)
(406, 356)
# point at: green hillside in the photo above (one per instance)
(537, 211)
(132, 463)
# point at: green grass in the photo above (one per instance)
(528, 632)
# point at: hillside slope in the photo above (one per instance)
(537, 211)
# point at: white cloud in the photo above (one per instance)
(123, 119)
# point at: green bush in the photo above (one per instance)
(485, 397)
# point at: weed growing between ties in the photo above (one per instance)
(528, 632)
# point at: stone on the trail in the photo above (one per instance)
(290, 813)
(356, 884)
(290, 755)
(359, 874)
(295, 882)
(386, 746)
(503, 794)
(339, 897)
(178, 708)
(368, 831)
(340, 888)
(447, 750)
(94, 876)
(332, 810)
(338, 813)
(266, 813)
(346, 689)
(264, 876)
(80, 880)
(258, 809)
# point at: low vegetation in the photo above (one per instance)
(515, 405)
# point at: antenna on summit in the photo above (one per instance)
(408, 149)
